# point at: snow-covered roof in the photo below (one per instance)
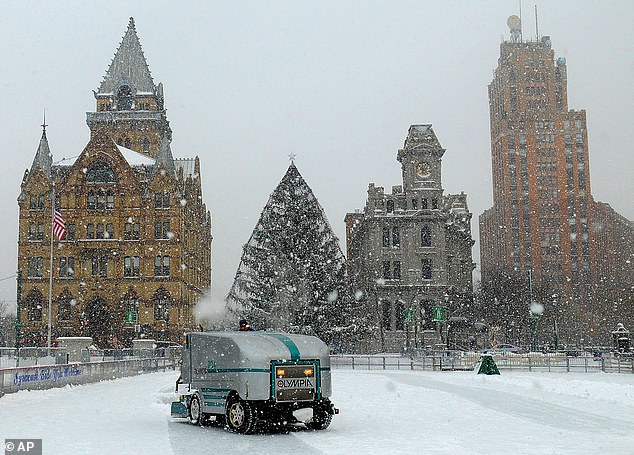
(133, 158)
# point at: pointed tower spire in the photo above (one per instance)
(165, 159)
(43, 159)
(128, 67)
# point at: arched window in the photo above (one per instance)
(390, 206)
(161, 305)
(400, 315)
(425, 236)
(131, 307)
(34, 304)
(100, 172)
(65, 307)
(386, 309)
(125, 98)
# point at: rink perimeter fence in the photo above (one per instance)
(468, 362)
(39, 368)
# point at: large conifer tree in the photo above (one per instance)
(292, 273)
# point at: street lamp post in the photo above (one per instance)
(555, 317)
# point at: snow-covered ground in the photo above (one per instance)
(393, 412)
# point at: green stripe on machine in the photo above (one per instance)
(214, 397)
(290, 344)
(218, 405)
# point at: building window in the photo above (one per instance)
(125, 98)
(386, 309)
(131, 266)
(162, 266)
(90, 231)
(34, 304)
(426, 269)
(99, 233)
(70, 231)
(100, 265)
(162, 200)
(64, 308)
(390, 206)
(109, 231)
(131, 231)
(386, 236)
(161, 305)
(110, 200)
(66, 267)
(400, 315)
(434, 204)
(396, 236)
(36, 231)
(36, 202)
(131, 308)
(101, 200)
(36, 267)
(100, 172)
(423, 204)
(425, 236)
(162, 230)
(414, 204)
(91, 203)
(386, 270)
(146, 142)
(396, 270)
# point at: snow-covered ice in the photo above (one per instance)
(382, 412)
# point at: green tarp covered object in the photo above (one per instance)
(487, 365)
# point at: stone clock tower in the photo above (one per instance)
(420, 160)
(410, 251)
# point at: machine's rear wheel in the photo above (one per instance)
(240, 416)
(320, 421)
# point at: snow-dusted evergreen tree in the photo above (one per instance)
(292, 273)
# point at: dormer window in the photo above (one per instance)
(125, 98)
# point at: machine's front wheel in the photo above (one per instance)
(195, 414)
(240, 416)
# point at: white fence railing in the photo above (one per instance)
(585, 364)
(49, 376)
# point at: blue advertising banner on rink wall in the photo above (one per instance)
(49, 376)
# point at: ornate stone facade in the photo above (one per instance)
(410, 251)
(136, 256)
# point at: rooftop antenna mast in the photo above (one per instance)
(536, 24)
(520, 20)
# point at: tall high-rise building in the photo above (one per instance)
(136, 254)
(544, 221)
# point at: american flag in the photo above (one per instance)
(59, 226)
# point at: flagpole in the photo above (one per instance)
(50, 282)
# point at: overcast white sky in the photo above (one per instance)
(338, 83)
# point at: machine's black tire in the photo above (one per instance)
(196, 416)
(240, 416)
(320, 421)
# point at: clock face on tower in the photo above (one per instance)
(423, 170)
